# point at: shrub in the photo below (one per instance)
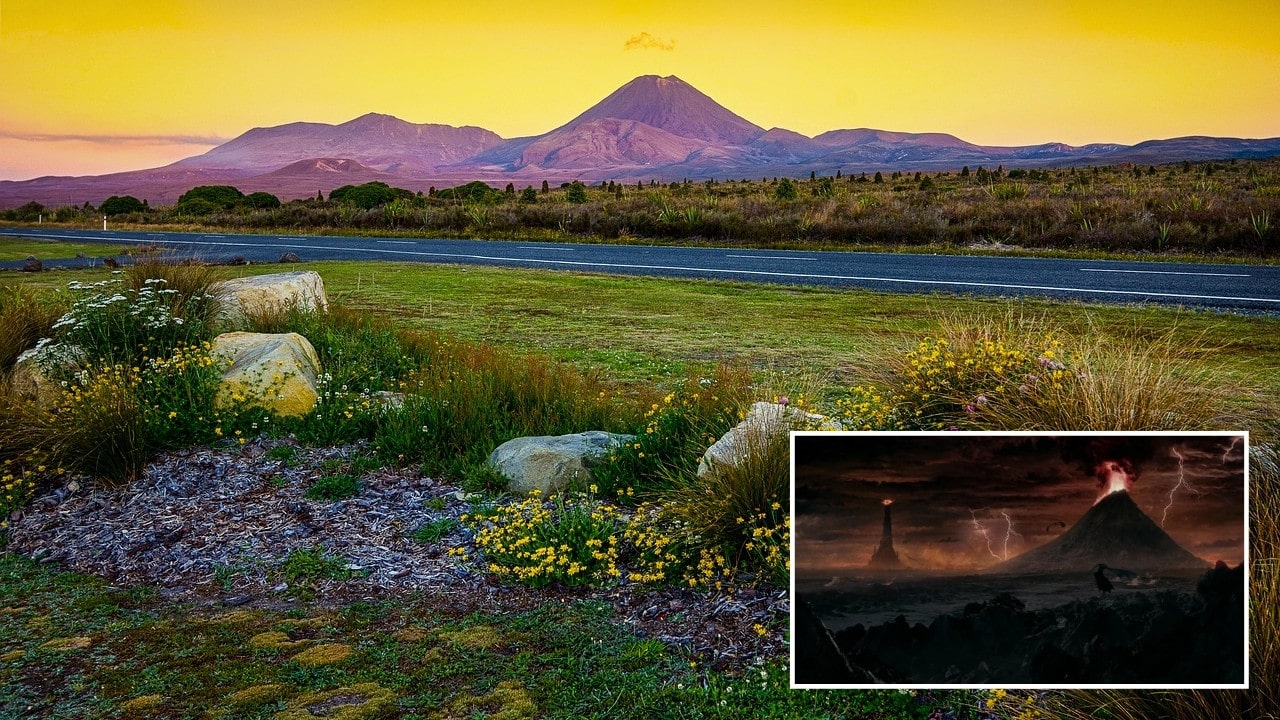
(1020, 374)
(577, 192)
(341, 480)
(786, 190)
(97, 427)
(304, 567)
(220, 196)
(738, 516)
(262, 200)
(466, 399)
(338, 486)
(109, 321)
(198, 207)
(473, 192)
(190, 298)
(678, 429)
(119, 205)
(433, 531)
(368, 195)
(571, 540)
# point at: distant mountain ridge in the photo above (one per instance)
(650, 128)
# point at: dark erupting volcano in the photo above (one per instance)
(1114, 531)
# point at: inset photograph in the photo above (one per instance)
(995, 559)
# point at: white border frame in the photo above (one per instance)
(1007, 433)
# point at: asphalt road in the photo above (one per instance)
(1240, 287)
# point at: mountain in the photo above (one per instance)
(652, 127)
(648, 123)
(381, 142)
(1116, 532)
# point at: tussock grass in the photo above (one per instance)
(1029, 372)
(466, 399)
(25, 318)
(1130, 378)
(741, 510)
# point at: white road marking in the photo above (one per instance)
(1163, 272)
(397, 242)
(771, 257)
(553, 249)
(682, 268)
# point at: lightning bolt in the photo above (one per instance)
(1182, 482)
(1009, 533)
(985, 536)
(1232, 446)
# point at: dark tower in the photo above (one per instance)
(885, 556)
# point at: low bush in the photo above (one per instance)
(678, 428)
(571, 540)
(1026, 374)
(739, 512)
(467, 399)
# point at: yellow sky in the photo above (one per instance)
(121, 84)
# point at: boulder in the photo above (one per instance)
(268, 294)
(549, 463)
(273, 371)
(762, 421)
(29, 380)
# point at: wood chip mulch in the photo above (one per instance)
(211, 526)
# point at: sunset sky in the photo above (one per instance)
(113, 85)
(949, 489)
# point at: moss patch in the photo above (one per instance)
(323, 654)
(411, 635)
(235, 617)
(142, 704)
(508, 701)
(355, 702)
(276, 640)
(480, 637)
(68, 643)
(256, 695)
(12, 655)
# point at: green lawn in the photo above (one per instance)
(73, 647)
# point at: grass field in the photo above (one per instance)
(75, 647)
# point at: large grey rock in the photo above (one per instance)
(28, 379)
(268, 294)
(275, 371)
(548, 463)
(762, 422)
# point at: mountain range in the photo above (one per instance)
(650, 128)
